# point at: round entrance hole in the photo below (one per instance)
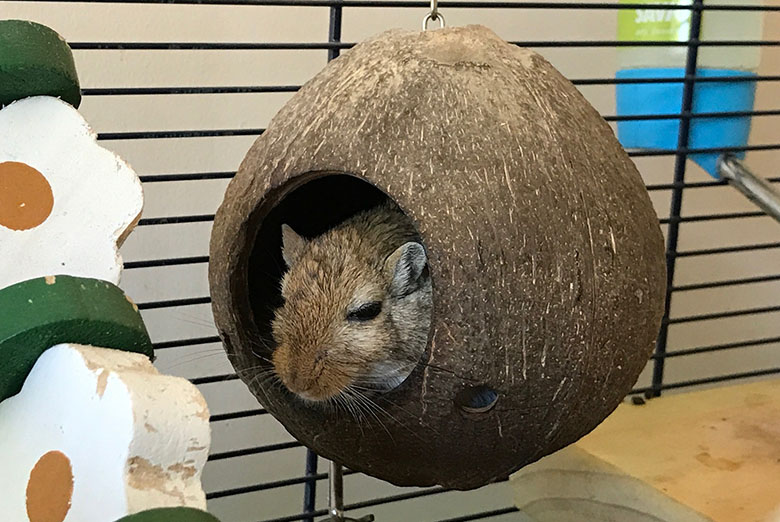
(333, 322)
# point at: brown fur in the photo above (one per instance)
(319, 353)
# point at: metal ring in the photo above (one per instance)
(433, 16)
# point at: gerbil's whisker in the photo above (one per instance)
(383, 398)
(266, 376)
(371, 408)
(264, 344)
(350, 405)
(255, 372)
(191, 358)
(193, 319)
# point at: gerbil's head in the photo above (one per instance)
(350, 322)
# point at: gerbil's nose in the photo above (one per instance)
(304, 376)
(296, 383)
(285, 369)
(292, 375)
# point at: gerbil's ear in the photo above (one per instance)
(292, 245)
(404, 268)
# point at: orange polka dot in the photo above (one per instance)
(26, 199)
(50, 488)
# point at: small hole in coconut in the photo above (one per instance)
(476, 399)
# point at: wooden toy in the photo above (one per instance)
(86, 434)
(40, 313)
(97, 434)
(66, 203)
(545, 251)
(35, 61)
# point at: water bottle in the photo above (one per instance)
(673, 25)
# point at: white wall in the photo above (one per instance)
(79, 22)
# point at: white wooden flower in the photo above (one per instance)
(97, 434)
(65, 202)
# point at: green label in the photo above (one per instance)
(662, 25)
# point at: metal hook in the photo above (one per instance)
(434, 14)
(336, 497)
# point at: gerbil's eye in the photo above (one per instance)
(365, 312)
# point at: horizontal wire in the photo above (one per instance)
(396, 498)
(712, 217)
(436, 490)
(702, 150)
(727, 282)
(260, 89)
(676, 79)
(367, 503)
(203, 46)
(254, 451)
(299, 516)
(483, 515)
(488, 4)
(691, 115)
(270, 46)
(722, 315)
(646, 43)
(129, 265)
(179, 343)
(264, 486)
(148, 135)
(717, 347)
(726, 250)
(271, 485)
(173, 220)
(214, 379)
(696, 184)
(708, 380)
(169, 303)
(156, 91)
(187, 176)
(238, 415)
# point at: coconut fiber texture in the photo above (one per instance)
(546, 255)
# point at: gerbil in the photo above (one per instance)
(357, 306)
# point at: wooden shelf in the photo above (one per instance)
(708, 456)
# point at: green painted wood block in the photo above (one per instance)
(177, 514)
(40, 313)
(35, 61)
